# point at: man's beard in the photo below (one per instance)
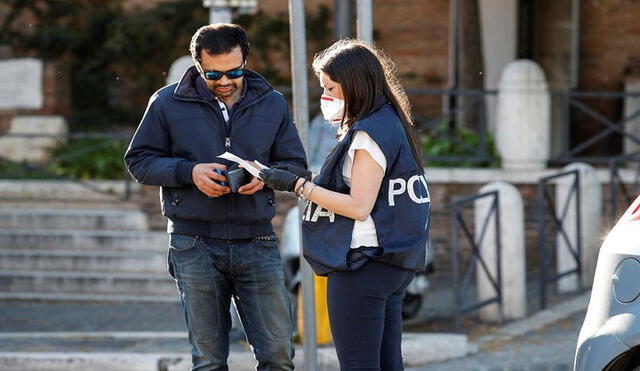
(226, 92)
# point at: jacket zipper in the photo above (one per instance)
(177, 197)
(227, 146)
(227, 139)
(227, 143)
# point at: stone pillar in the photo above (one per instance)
(219, 11)
(632, 106)
(499, 27)
(178, 68)
(590, 225)
(512, 255)
(522, 126)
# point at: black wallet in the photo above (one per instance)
(237, 177)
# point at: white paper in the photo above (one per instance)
(245, 164)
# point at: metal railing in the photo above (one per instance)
(617, 184)
(545, 202)
(575, 111)
(463, 284)
(44, 169)
(452, 106)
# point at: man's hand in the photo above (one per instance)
(203, 176)
(252, 187)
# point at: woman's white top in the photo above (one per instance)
(364, 233)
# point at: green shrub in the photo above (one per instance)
(463, 143)
(89, 158)
(83, 159)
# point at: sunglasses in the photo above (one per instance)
(235, 73)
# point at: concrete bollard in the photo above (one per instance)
(178, 68)
(523, 118)
(512, 254)
(590, 225)
(631, 107)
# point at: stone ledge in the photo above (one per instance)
(440, 175)
(64, 189)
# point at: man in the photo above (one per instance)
(222, 243)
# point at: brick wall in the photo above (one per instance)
(609, 55)
(609, 47)
(413, 33)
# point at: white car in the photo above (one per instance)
(610, 335)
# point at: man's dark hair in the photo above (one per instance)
(218, 38)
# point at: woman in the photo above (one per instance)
(367, 216)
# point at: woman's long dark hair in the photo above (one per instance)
(368, 77)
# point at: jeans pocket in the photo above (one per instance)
(268, 247)
(183, 251)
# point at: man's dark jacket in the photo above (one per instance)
(183, 125)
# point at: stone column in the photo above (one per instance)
(512, 255)
(522, 127)
(632, 106)
(590, 225)
(219, 12)
(178, 68)
(499, 26)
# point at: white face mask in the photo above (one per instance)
(331, 108)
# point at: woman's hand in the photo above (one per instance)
(299, 171)
(279, 179)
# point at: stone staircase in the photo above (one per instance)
(89, 250)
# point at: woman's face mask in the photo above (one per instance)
(332, 108)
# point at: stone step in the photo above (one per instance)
(87, 283)
(11, 239)
(59, 297)
(68, 204)
(72, 219)
(94, 261)
(65, 190)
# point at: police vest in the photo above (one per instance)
(400, 213)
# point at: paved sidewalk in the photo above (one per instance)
(115, 336)
(550, 348)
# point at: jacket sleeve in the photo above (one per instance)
(149, 158)
(287, 147)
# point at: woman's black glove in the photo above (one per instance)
(278, 179)
(299, 171)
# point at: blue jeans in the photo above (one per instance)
(208, 273)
